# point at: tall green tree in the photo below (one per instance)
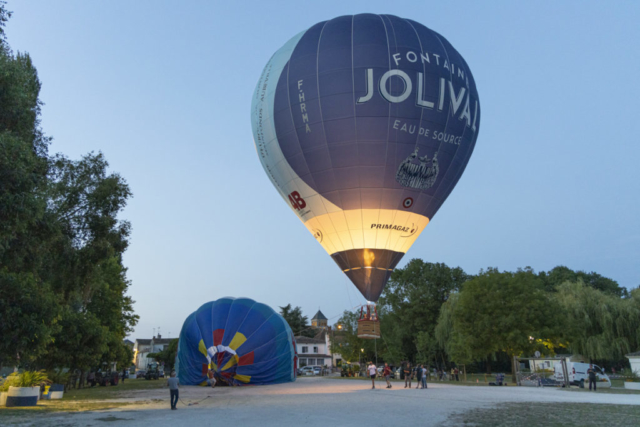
(411, 303)
(599, 325)
(28, 307)
(503, 311)
(90, 277)
(63, 287)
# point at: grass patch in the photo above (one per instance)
(119, 391)
(549, 414)
(87, 399)
(50, 406)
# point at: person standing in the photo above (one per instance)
(425, 371)
(211, 379)
(372, 373)
(418, 376)
(407, 375)
(387, 374)
(592, 377)
(457, 371)
(173, 382)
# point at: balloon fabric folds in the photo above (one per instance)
(241, 341)
(364, 124)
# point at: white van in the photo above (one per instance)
(578, 374)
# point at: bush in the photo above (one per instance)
(31, 379)
(10, 381)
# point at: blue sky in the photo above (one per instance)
(164, 89)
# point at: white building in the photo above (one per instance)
(634, 361)
(142, 348)
(312, 352)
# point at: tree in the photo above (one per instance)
(561, 274)
(28, 306)
(29, 316)
(410, 306)
(297, 321)
(63, 287)
(503, 311)
(599, 325)
(90, 276)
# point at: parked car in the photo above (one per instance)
(317, 370)
(140, 373)
(307, 370)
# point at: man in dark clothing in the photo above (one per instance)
(418, 376)
(592, 377)
(407, 375)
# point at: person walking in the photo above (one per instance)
(372, 373)
(173, 382)
(418, 376)
(425, 372)
(407, 375)
(457, 371)
(387, 373)
(592, 377)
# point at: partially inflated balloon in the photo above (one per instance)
(241, 341)
(364, 124)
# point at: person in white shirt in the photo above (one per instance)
(372, 373)
(424, 376)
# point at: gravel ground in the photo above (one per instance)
(317, 402)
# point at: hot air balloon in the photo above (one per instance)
(364, 124)
(240, 341)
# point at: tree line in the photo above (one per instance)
(63, 285)
(432, 313)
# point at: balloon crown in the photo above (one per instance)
(420, 175)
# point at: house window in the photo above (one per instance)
(320, 362)
(312, 362)
(315, 349)
(305, 349)
(303, 362)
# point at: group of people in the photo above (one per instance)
(441, 374)
(420, 372)
(373, 373)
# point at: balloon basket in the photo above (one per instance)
(369, 324)
(369, 329)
